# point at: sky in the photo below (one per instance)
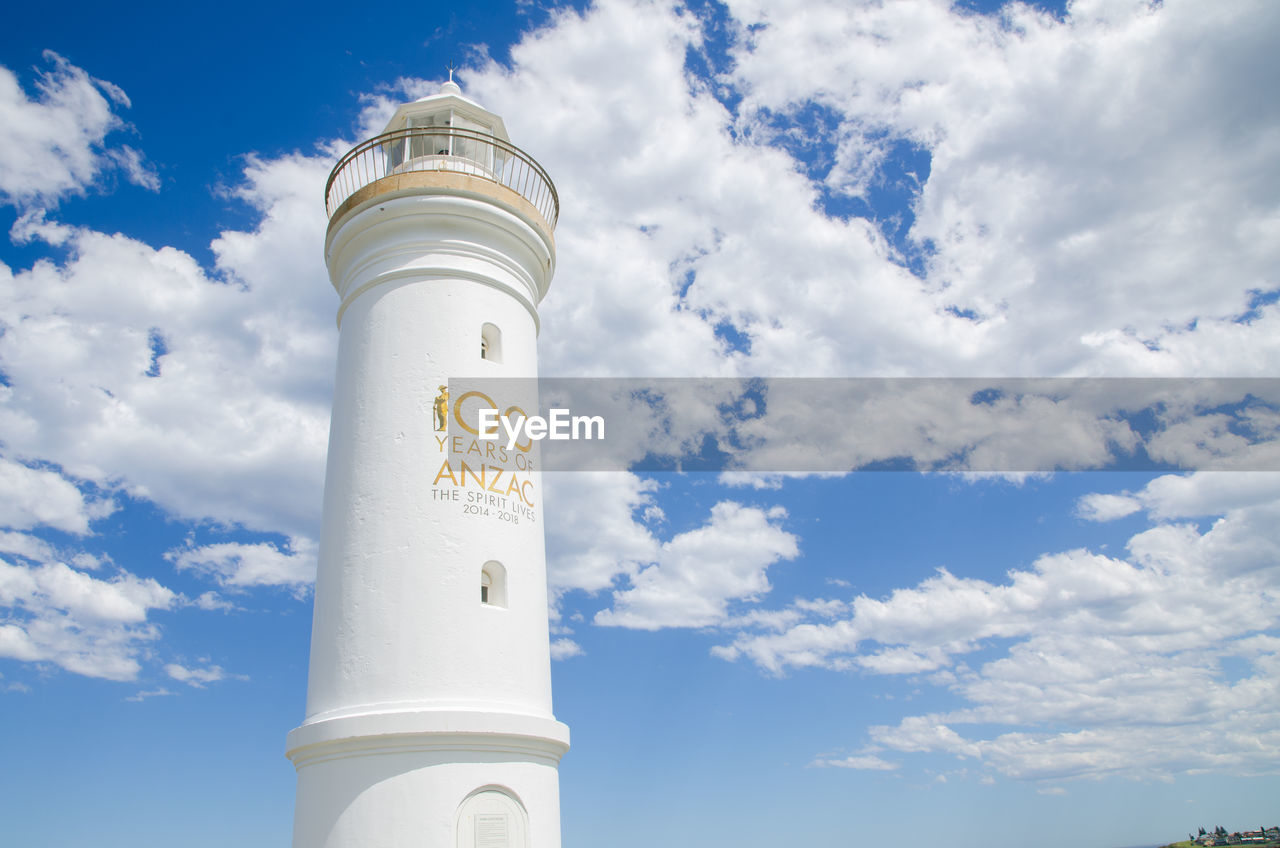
(818, 189)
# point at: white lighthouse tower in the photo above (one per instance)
(428, 719)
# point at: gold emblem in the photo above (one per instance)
(441, 408)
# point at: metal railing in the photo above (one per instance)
(454, 149)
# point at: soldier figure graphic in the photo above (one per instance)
(441, 408)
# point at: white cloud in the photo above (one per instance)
(240, 565)
(1073, 195)
(84, 624)
(198, 677)
(858, 761)
(698, 572)
(1104, 507)
(904, 660)
(124, 599)
(1083, 665)
(750, 479)
(593, 535)
(34, 497)
(563, 649)
(56, 144)
(132, 367)
(1169, 496)
(1208, 493)
(656, 188)
(923, 733)
(26, 546)
(764, 481)
(781, 619)
(213, 602)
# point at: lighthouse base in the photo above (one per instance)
(434, 779)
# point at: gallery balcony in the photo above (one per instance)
(442, 160)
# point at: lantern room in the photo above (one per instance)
(446, 132)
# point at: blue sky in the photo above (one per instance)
(757, 187)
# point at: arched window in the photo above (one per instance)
(492, 817)
(490, 342)
(493, 584)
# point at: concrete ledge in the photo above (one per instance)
(444, 182)
(489, 735)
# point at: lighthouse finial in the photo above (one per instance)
(450, 87)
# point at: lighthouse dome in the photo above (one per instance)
(448, 108)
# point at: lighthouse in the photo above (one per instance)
(428, 715)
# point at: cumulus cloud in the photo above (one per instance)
(239, 565)
(947, 615)
(1086, 665)
(634, 128)
(132, 367)
(26, 546)
(1099, 506)
(603, 535)
(56, 144)
(97, 627)
(699, 572)
(1172, 496)
(1077, 209)
(668, 211)
(34, 497)
(597, 530)
(199, 677)
(1208, 493)
(922, 733)
(213, 602)
(564, 648)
